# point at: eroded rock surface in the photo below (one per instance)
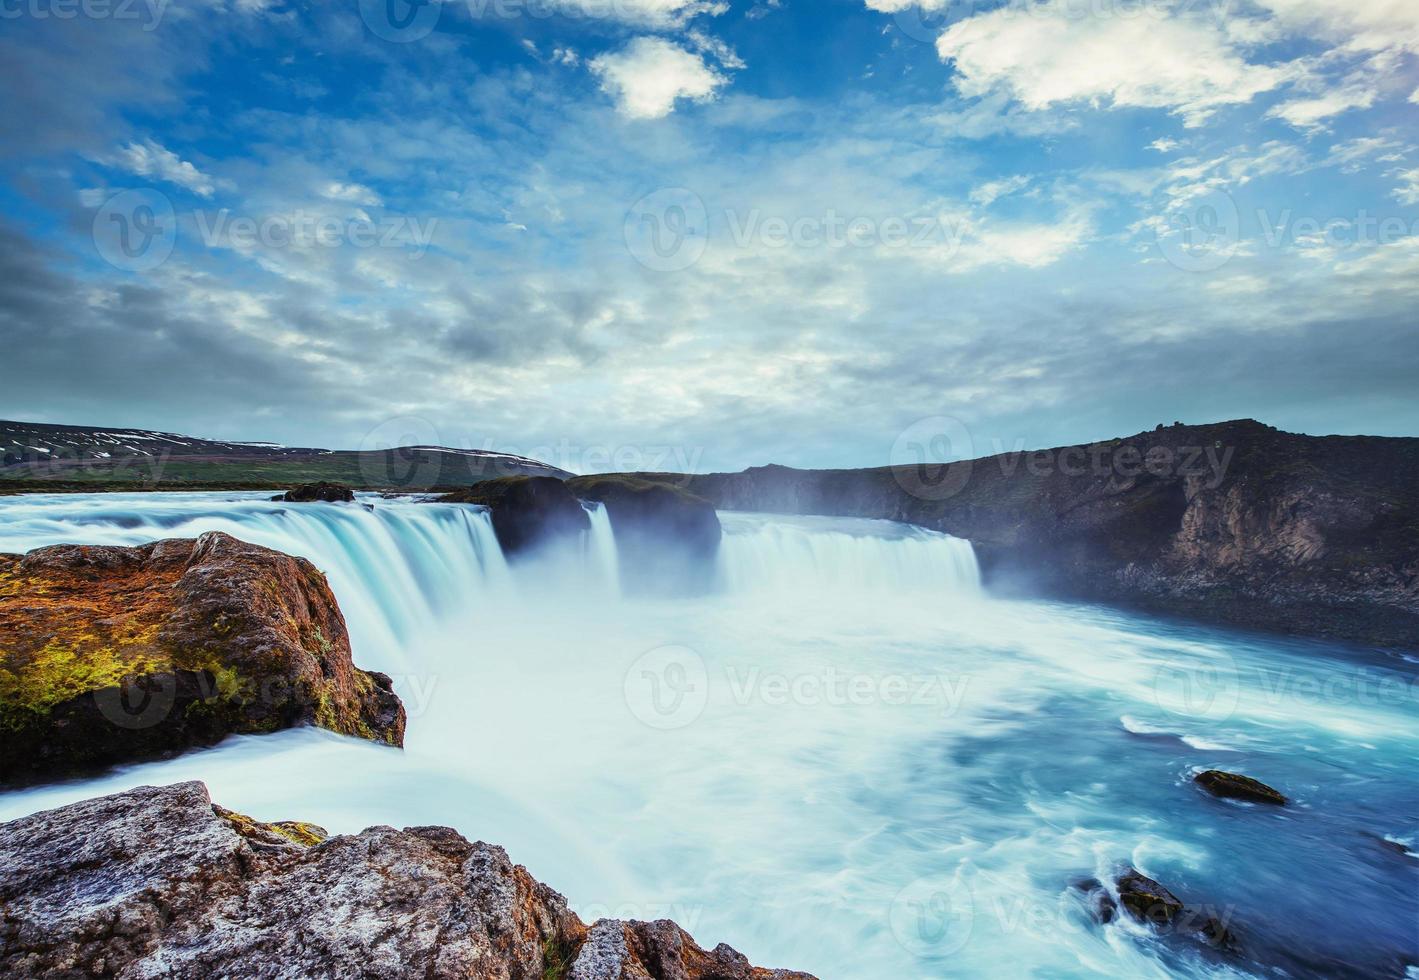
(112, 654)
(157, 882)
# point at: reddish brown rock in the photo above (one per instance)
(112, 654)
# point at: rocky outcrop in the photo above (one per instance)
(529, 512)
(323, 493)
(114, 654)
(1235, 522)
(666, 537)
(1231, 785)
(1148, 901)
(158, 882)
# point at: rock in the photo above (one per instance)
(114, 654)
(1234, 786)
(667, 538)
(529, 512)
(1147, 900)
(1100, 903)
(322, 492)
(157, 882)
(1234, 522)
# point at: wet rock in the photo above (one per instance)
(1100, 903)
(112, 654)
(666, 537)
(157, 882)
(1150, 902)
(529, 512)
(325, 493)
(1231, 785)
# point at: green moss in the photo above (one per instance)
(557, 956)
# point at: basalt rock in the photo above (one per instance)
(529, 512)
(666, 537)
(1235, 786)
(112, 654)
(1235, 522)
(326, 493)
(158, 882)
(1149, 902)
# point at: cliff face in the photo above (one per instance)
(1235, 522)
(112, 654)
(158, 882)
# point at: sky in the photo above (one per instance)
(709, 234)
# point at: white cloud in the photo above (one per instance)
(647, 13)
(353, 193)
(992, 190)
(650, 74)
(1164, 144)
(150, 159)
(1356, 25)
(1046, 55)
(1311, 113)
(1408, 191)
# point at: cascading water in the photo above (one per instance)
(847, 760)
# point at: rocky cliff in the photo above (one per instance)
(158, 882)
(1235, 522)
(112, 654)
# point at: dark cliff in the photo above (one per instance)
(1235, 522)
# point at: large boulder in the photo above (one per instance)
(322, 492)
(157, 882)
(1231, 785)
(667, 538)
(529, 512)
(112, 654)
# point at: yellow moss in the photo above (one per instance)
(60, 671)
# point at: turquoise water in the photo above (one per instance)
(848, 760)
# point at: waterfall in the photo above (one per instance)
(402, 567)
(789, 554)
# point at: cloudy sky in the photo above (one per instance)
(709, 233)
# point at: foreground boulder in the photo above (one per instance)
(529, 512)
(158, 882)
(114, 654)
(325, 493)
(666, 537)
(1231, 785)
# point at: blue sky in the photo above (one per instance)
(702, 234)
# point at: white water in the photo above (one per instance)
(848, 761)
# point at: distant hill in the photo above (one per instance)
(64, 455)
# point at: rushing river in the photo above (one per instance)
(847, 760)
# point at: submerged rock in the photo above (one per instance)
(1235, 786)
(322, 492)
(528, 511)
(112, 654)
(667, 538)
(1150, 902)
(158, 882)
